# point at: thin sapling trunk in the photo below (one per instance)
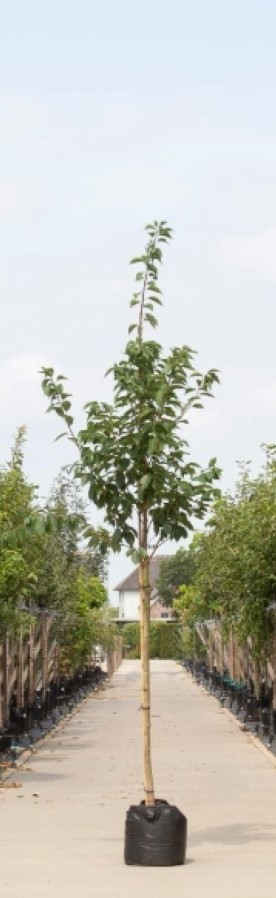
(144, 583)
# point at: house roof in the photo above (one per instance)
(131, 583)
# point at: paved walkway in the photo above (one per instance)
(62, 831)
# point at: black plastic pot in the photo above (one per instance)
(155, 836)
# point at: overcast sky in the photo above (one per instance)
(113, 113)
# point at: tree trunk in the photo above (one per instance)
(44, 653)
(31, 666)
(232, 664)
(1, 686)
(274, 671)
(221, 667)
(257, 677)
(144, 584)
(20, 671)
(6, 680)
(210, 649)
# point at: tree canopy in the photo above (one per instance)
(133, 453)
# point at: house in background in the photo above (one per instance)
(129, 595)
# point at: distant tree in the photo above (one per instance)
(46, 562)
(62, 548)
(85, 622)
(68, 574)
(175, 571)
(17, 501)
(236, 558)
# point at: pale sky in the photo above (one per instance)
(113, 113)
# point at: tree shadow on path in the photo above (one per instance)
(235, 834)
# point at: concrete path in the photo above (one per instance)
(62, 831)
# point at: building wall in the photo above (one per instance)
(159, 612)
(128, 605)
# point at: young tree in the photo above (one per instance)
(133, 455)
(17, 498)
(175, 571)
(84, 622)
(236, 558)
(62, 549)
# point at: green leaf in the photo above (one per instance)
(151, 319)
(61, 435)
(156, 300)
(137, 555)
(152, 287)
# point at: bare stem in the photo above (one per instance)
(142, 305)
(144, 583)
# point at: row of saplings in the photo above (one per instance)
(31, 721)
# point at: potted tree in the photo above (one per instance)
(134, 458)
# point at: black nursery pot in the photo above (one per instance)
(155, 836)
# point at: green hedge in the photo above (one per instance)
(165, 640)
